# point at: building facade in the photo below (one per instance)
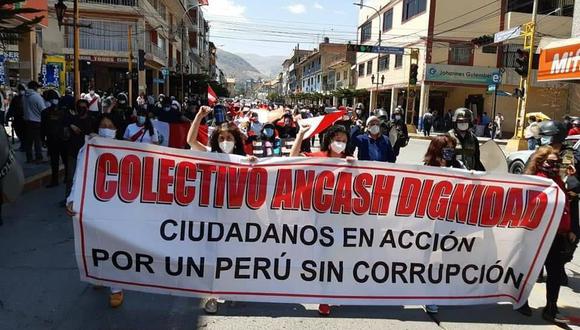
(168, 43)
(452, 71)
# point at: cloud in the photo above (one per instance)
(318, 6)
(296, 8)
(218, 9)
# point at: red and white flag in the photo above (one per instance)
(203, 2)
(320, 123)
(174, 135)
(211, 96)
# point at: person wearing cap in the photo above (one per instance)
(33, 105)
(374, 145)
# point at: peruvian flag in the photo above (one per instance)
(203, 2)
(320, 123)
(174, 135)
(211, 96)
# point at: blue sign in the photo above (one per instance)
(51, 75)
(496, 78)
(158, 81)
(2, 70)
(389, 50)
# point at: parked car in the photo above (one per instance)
(516, 161)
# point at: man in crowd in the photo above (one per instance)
(532, 133)
(398, 124)
(33, 104)
(94, 103)
(16, 114)
(427, 122)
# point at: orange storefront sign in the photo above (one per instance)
(559, 61)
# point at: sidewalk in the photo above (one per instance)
(420, 136)
(36, 175)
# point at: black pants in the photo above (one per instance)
(427, 129)
(33, 138)
(57, 152)
(554, 270)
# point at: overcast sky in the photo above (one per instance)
(274, 27)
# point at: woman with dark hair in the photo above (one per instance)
(441, 152)
(143, 130)
(227, 139)
(545, 162)
(333, 145)
(106, 129)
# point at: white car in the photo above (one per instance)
(516, 161)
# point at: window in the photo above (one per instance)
(370, 67)
(338, 76)
(489, 49)
(388, 20)
(361, 69)
(460, 55)
(345, 74)
(365, 31)
(412, 8)
(384, 63)
(398, 61)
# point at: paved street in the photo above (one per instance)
(40, 289)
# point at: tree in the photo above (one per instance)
(8, 11)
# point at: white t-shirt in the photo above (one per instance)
(93, 106)
(143, 136)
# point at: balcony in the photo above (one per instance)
(156, 51)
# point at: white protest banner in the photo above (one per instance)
(308, 230)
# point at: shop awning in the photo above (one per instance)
(559, 59)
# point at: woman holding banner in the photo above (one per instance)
(333, 146)
(441, 153)
(227, 139)
(545, 163)
(108, 130)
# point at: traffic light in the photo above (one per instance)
(482, 41)
(522, 62)
(359, 48)
(519, 92)
(141, 60)
(413, 73)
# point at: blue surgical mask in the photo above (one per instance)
(141, 120)
(546, 140)
(268, 132)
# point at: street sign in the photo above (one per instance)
(507, 34)
(158, 81)
(376, 49)
(165, 72)
(496, 78)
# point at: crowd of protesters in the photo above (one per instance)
(256, 130)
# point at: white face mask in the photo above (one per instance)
(463, 126)
(54, 102)
(397, 117)
(107, 133)
(227, 146)
(374, 130)
(338, 147)
(92, 93)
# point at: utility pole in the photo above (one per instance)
(129, 32)
(528, 31)
(76, 52)
(182, 66)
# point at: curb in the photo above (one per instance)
(39, 180)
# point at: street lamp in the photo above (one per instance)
(360, 5)
(60, 9)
